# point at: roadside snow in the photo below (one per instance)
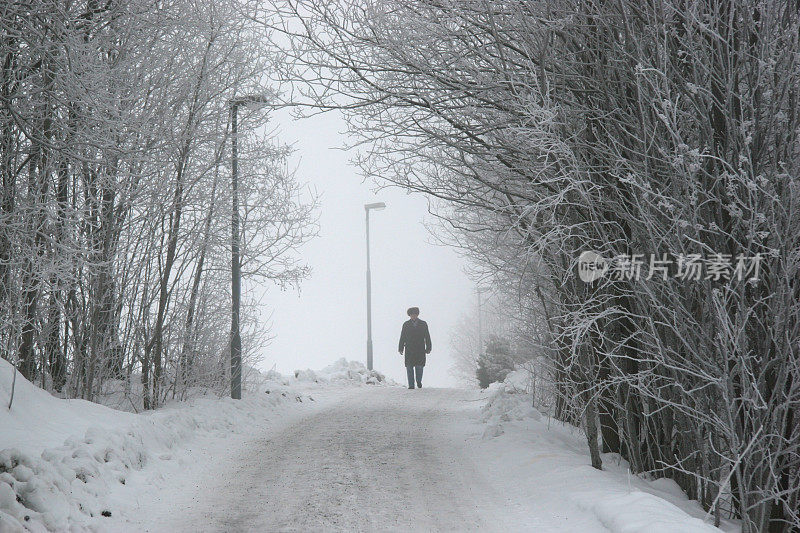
(38, 421)
(548, 462)
(62, 460)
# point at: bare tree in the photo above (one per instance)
(115, 214)
(661, 128)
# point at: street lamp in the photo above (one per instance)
(480, 290)
(236, 265)
(367, 207)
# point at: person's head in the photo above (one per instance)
(413, 312)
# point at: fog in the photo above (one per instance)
(326, 319)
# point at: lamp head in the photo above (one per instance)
(250, 99)
(376, 205)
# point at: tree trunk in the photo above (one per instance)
(590, 423)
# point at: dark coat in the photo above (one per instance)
(416, 340)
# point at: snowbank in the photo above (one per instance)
(343, 371)
(554, 465)
(60, 459)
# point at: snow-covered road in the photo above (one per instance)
(391, 459)
(374, 459)
(379, 460)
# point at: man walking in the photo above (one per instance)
(416, 341)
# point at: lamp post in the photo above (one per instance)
(480, 291)
(367, 208)
(236, 265)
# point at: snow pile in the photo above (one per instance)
(342, 371)
(507, 401)
(635, 511)
(60, 459)
(273, 375)
(306, 375)
(550, 463)
(517, 381)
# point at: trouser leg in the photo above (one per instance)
(410, 372)
(419, 375)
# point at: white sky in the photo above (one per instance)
(327, 319)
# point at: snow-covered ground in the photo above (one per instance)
(317, 451)
(546, 465)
